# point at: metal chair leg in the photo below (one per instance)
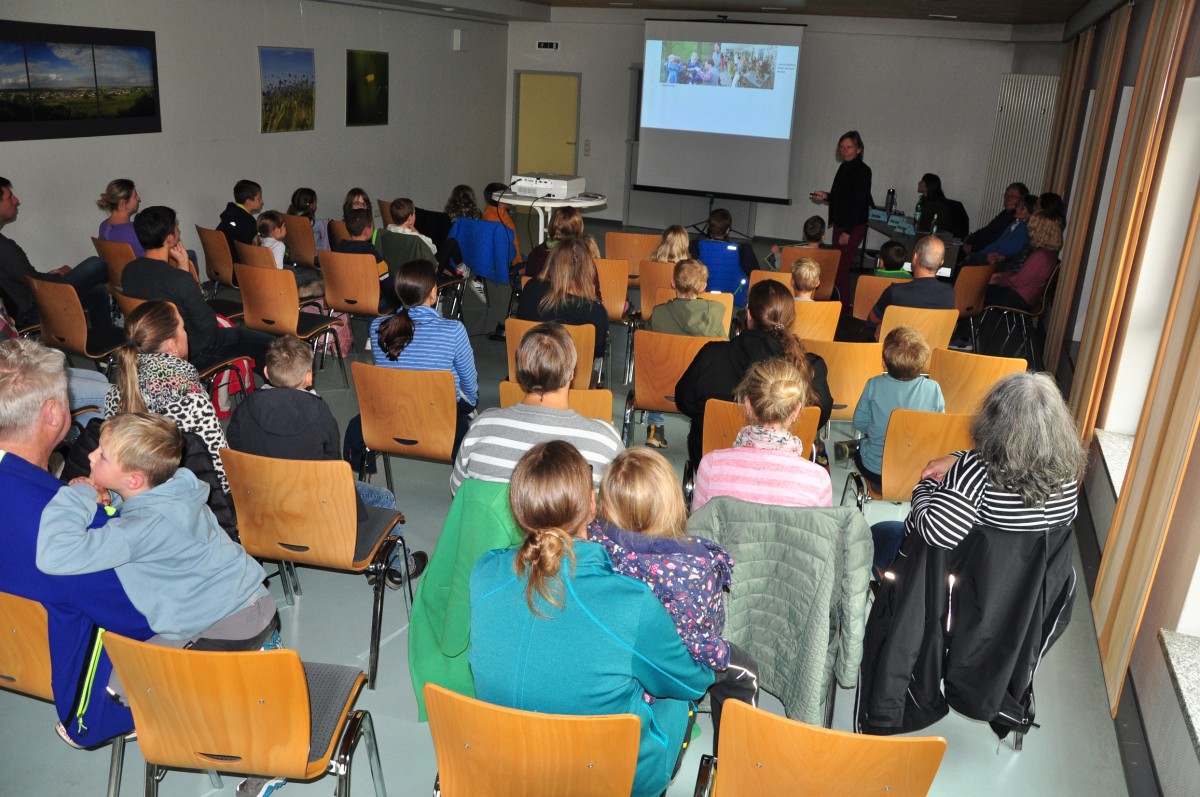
(115, 766)
(387, 471)
(379, 567)
(359, 726)
(214, 778)
(294, 577)
(154, 776)
(285, 579)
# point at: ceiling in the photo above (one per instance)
(1009, 12)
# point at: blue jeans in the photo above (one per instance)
(655, 418)
(382, 498)
(888, 536)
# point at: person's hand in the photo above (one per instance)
(179, 257)
(102, 495)
(994, 258)
(937, 468)
(819, 196)
(843, 239)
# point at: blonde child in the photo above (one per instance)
(672, 246)
(806, 278)
(641, 521)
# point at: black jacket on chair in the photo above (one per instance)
(975, 620)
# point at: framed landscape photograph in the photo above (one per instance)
(366, 88)
(61, 81)
(289, 89)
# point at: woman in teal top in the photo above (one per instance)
(554, 629)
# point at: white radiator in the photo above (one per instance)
(1021, 138)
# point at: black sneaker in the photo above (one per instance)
(395, 575)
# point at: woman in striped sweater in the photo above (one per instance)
(1022, 475)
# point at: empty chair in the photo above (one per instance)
(595, 404)
(218, 260)
(913, 439)
(867, 291)
(582, 335)
(850, 366)
(257, 712)
(936, 326)
(65, 327)
(817, 320)
(769, 754)
(300, 240)
(614, 291)
(632, 247)
(116, 255)
(966, 378)
(659, 362)
(492, 751)
(303, 512)
(969, 289)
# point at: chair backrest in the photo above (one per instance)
(218, 260)
(969, 289)
(116, 255)
(632, 247)
(63, 323)
(487, 749)
(1040, 306)
(936, 326)
(299, 510)
(664, 295)
(769, 754)
(850, 366)
(351, 282)
(300, 240)
(244, 711)
(828, 259)
(867, 291)
(254, 255)
(724, 268)
(614, 286)
(658, 362)
(966, 378)
(817, 320)
(913, 439)
(582, 335)
(595, 404)
(385, 211)
(337, 233)
(724, 419)
(270, 299)
(652, 276)
(127, 303)
(784, 278)
(24, 647)
(410, 413)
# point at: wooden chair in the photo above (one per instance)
(25, 664)
(409, 413)
(850, 366)
(300, 240)
(597, 404)
(272, 305)
(867, 291)
(965, 378)
(337, 233)
(828, 260)
(303, 512)
(632, 247)
(1024, 317)
(784, 278)
(385, 211)
(64, 325)
(218, 260)
(652, 276)
(817, 320)
(126, 303)
(766, 754)
(582, 335)
(660, 361)
(913, 439)
(665, 295)
(351, 283)
(252, 712)
(969, 290)
(492, 751)
(116, 255)
(724, 419)
(254, 255)
(936, 326)
(614, 292)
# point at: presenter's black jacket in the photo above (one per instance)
(850, 197)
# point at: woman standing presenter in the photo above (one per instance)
(849, 203)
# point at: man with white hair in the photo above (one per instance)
(34, 418)
(924, 289)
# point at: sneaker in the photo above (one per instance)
(259, 787)
(395, 575)
(656, 436)
(475, 284)
(66, 737)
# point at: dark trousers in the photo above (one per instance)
(739, 681)
(88, 279)
(234, 342)
(849, 253)
(1004, 297)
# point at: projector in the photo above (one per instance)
(547, 186)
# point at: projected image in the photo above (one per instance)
(693, 63)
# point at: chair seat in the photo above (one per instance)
(331, 687)
(378, 523)
(103, 340)
(310, 324)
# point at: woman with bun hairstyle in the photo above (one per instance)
(555, 629)
(767, 464)
(720, 366)
(120, 201)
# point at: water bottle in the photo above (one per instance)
(933, 228)
(890, 203)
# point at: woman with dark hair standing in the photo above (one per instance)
(417, 338)
(555, 629)
(721, 365)
(849, 205)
